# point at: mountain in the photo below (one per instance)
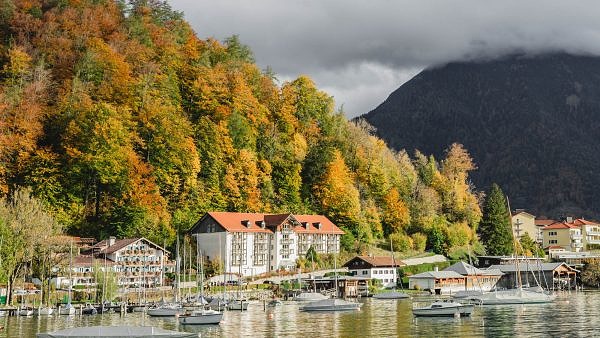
(531, 123)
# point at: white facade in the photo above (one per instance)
(386, 275)
(254, 244)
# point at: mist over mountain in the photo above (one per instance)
(531, 123)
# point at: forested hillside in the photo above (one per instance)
(123, 122)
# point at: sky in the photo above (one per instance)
(361, 51)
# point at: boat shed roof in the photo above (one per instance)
(437, 274)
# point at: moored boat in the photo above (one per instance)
(333, 304)
(391, 295)
(309, 297)
(201, 317)
(514, 296)
(67, 310)
(166, 310)
(444, 309)
(238, 304)
(43, 311)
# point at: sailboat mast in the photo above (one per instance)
(70, 270)
(519, 282)
(177, 267)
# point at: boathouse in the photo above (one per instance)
(438, 282)
(555, 276)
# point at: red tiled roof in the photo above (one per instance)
(232, 221)
(120, 244)
(581, 221)
(561, 225)
(544, 222)
(88, 260)
(326, 225)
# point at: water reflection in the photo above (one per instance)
(572, 314)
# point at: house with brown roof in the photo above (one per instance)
(137, 262)
(382, 268)
(255, 243)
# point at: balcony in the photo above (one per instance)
(576, 245)
(592, 233)
(576, 236)
(593, 240)
(287, 241)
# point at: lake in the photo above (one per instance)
(572, 314)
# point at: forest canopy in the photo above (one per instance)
(123, 122)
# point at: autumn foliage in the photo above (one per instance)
(125, 123)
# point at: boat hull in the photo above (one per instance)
(201, 319)
(163, 312)
(238, 305)
(331, 305)
(506, 297)
(44, 311)
(391, 295)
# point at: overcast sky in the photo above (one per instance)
(359, 51)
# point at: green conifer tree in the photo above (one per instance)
(495, 229)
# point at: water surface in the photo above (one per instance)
(572, 314)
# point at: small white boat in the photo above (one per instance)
(444, 309)
(167, 310)
(274, 303)
(391, 295)
(240, 305)
(117, 332)
(201, 317)
(26, 312)
(43, 311)
(331, 305)
(310, 297)
(68, 310)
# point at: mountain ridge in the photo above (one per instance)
(528, 121)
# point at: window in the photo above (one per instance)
(552, 233)
(365, 272)
(553, 241)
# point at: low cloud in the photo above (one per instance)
(360, 51)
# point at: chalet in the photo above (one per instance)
(438, 282)
(253, 243)
(382, 268)
(476, 279)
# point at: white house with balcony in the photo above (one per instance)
(382, 268)
(136, 261)
(590, 232)
(253, 243)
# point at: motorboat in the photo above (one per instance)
(43, 311)
(274, 303)
(201, 317)
(444, 309)
(310, 297)
(26, 312)
(117, 332)
(89, 309)
(391, 295)
(514, 296)
(68, 310)
(165, 310)
(238, 304)
(333, 304)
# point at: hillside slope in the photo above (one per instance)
(531, 124)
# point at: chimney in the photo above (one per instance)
(569, 219)
(436, 269)
(111, 240)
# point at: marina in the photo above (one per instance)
(375, 318)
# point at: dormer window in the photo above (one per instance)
(246, 223)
